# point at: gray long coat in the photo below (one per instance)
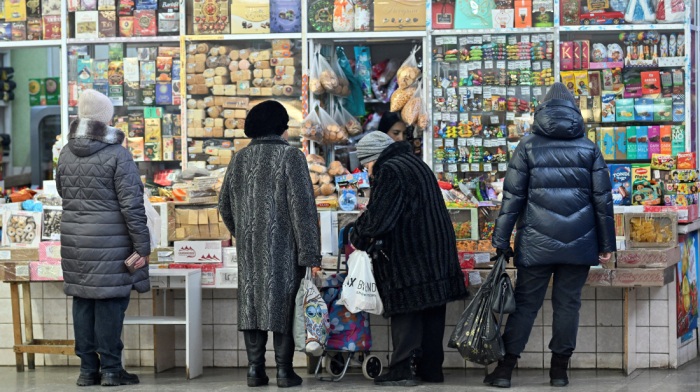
(267, 202)
(104, 220)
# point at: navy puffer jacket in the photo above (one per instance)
(556, 193)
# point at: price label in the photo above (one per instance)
(500, 39)
(488, 64)
(536, 66)
(445, 83)
(501, 141)
(510, 116)
(452, 168)
(546, 65)
(437, 92)
(488, 143)
(543, 38)
(464, 69)
(525, 90)
(437, 143)
(470, 40)
(445, 117)
(439, 41)
(462, 91)
(464, 167)
(495, 120)
(462, 142)
(476, 89)
(512, 64)
(502, 166)
(487, 38)
(451, 91)
(478, 40)
(527, 64)
(488, 167)
(550, 37)
(525, 38)
(512, 40)
(462, 41)
(511, 91)
(475, 167)
(449, 143)
(478, 142)
(439, 168)
(470, 141)
(464, 117)
(500, 64)
(454, 117)
(537, 91)
(487, 92)
(451, 40)
(536, 38)
(502, 90)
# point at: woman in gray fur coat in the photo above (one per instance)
(267, 202)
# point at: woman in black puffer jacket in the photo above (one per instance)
(557, 194)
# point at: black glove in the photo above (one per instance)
(508, 253)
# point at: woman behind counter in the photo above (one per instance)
(267, 203)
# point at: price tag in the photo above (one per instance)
(500, 39)
(476, 89)
(437, 143)
(550, 37)
(462, 91)
(478, 142)
(537, 91)
(464, 117)
(462, 41)
(445, 83)
(445, 117)
(439, 168)
(451, 40)
(525, 38)
(470, 40)
(487, 38)
(464, 69)
(543, 38)
(501, 141)
(488, 64)
(546, 65)
(527, 64)
(502, 90)
(475, 167)
(474, 278)
(452, 168)
(487, 143)
(512, 64)
(512, 40)
(451, 91)
(502, 166)
(454, 117)
(488, 167)
(449, 143)
(437, 92)
(525, 90)
(510, 116)
(439, 41)
(464, 167)
(536, 38)
(478, 40)
(536, 66)
(487, 92)
(511, 91)
(495, 120)
(470, 141)
(462, 142)
(500, 64)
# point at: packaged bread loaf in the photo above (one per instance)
(336, 169)
(311, 128)
(408, 73)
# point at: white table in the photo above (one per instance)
(164, 321)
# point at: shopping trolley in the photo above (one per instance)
(350, 338)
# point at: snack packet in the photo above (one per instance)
(408, 72)
(411, 110)
(401, 96)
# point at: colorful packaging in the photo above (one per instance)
(685, 160)
(116, 94)
(621, 179)
(632, 142)
(665, 133)
(85, 71)
(164, 93)
(168, 23)
(663, 162)
(651, 82)
(607, 136)
(116, 73)
(251, 16)
(86, 24)
(608, 113)
(608, 79)
(126, 26)
(107, 26)
(53, 90)
(599, 54)
(52, 26)
(131, 70)
(678, 108)
(654, 139)
(585, 54)
(569, 80)
(37, 92)
(663, 109)
(620, 143)
(581, 80)
(646, 192)
(594, 84)
(34, 29)
(148, 94)
(615, 53)
(543, 13)
(15, 10)
(566, 55)
(677, 139)
(135, 145)
(144, 23)
(19, 31)
(624, 109)
(643, 109)
(148, 72)
(641, 171)
(132, 93)
(642, 142)
(577, 55)
(100, 71)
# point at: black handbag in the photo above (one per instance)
(504, 300)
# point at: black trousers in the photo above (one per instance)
(98, 324)
(530, 290)
(422, 332)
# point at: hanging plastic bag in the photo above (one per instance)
(343, 89)
(343, 15)
(315, 85)
(408, 73)
(401, 96)
(353, 127)
(388, 73)
(363, 70)
(640, 11)
(312, 129)
(332, 132)
(355, 102)
(359, 289)
(670, 11)
(423, 121)
(339, 119)
(411, 110)
(314, 312)
(153, 222)
(329, 80)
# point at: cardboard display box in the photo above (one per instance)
(19, 254)
(643, 277)
(45, 271)
(162, 256)
(199, 251)
(600, 277)
(662, 219)
(648, 258)
(193, 222)
(14, 272)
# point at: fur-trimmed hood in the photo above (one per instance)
(87, 137)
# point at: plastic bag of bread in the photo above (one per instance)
(343, 88)
(329, 79)
(411, 110)
(408, 73)
(332, 132)
(311, 128)
(336, 169)
(423, 120)
(327, 189)
(352, 126)
(315, 85)
(401, 96)
(313, 159)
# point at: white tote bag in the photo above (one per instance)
(153, 222)
(359, 289)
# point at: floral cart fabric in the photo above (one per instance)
(349, 332)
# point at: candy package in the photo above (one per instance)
(581, 79)
(599, 53)
(569, 80)
(615, 53)
(670, 11)
(640, 11)
(672, 46)
(344, 16)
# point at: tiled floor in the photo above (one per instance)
(59, 379)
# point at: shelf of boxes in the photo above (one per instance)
(128, 40)
(623, 27)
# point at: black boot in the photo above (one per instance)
(255, 342)
(119, 378)
(401, 374)
(557, 370)
(284, 355)
(500, 377)
(86, 379)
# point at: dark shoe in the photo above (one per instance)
(557, 370)
(119, 378)
(400, 375)
(284, 356)
(500, 377)
(87, 379)
(255, 342)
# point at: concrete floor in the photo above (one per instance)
(60, 379)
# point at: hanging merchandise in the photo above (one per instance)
(474, 14)
(640, 11)
(408, 72)
(363, 15)
(285, 16)
(311, 128)
(354, 102)
(343, 88)
(343, 15)
(443, 14)
(363, 70)
(321, 15)
(329, 80)
(332, 132)
(352, 126)
(411, 110)
(423, 121)
(670, 11)
(315, 85)
(401, 96)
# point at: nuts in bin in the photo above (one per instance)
(649, 230)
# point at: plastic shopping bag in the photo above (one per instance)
(315, 318)
(359, 289)
(153, 222)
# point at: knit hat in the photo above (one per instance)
(371, 146)
(95, 106)
(559, 91)
(266, 119)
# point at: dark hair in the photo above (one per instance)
(265, 119)
(388, 120)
